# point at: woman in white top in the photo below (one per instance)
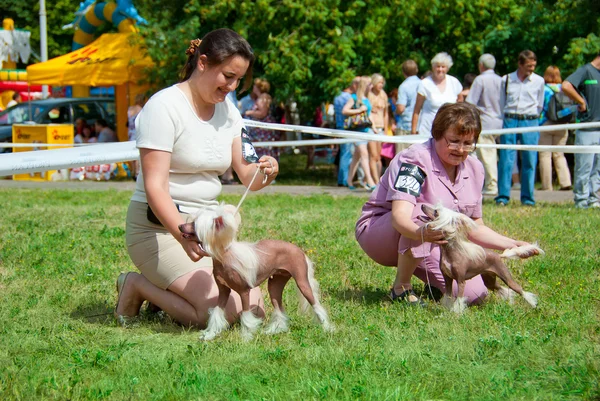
(432, 93)
(187, 134)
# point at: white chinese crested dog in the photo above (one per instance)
(241, 266)
(461, 259)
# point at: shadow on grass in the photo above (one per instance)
(368, 296)
(372, 296)
(100, 313)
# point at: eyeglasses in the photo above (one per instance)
(460, 146)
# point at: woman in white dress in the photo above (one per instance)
(433, 92)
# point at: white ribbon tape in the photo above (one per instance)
(29, 162)
(353, 134)
(34, 161)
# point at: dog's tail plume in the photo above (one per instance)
(522, 252)
(314, 286)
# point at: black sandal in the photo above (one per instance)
(405, 297)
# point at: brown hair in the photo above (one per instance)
(263, 85)
(410, 68)
(468, 80)
(526, 55)
(463, 117)
(552, 75)
(218, 46)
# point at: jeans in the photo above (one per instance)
(345, 159)
(587, 170)
(507, 161)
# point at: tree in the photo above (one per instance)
(311, 49)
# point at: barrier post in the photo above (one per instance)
(43, 133)
(121, 105)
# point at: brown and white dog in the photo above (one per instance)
(241, 266)
(461, 259)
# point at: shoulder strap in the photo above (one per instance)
(506, 86)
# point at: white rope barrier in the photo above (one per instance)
(43, 145)
(353, 134)
(56, 159)
(105, 153)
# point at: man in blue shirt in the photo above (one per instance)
(345, 148)
(407, 95)
(586, 81)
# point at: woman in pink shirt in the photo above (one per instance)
(439, 170)
(379, 117)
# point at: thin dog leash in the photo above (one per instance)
(427, 270)
(266, 177)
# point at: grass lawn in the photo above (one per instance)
(62, 251)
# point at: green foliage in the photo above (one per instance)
(581, 50)
(311, 49)
(62, 250)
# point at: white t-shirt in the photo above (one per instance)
(200, 150)
(434, 99)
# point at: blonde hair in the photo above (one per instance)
(361, 91)
(377, 78)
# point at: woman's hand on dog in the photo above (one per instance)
(426, 234)
(192, 248)
(532, 251)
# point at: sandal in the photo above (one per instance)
(407, 296)
(121, 319)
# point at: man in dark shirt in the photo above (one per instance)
(583, 86)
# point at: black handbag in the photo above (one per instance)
(152, 217)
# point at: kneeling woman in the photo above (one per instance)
(188, 134)
(439, 170)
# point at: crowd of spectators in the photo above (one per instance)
(99, 132)
(518, 99)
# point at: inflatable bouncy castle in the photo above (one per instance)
(91, 14)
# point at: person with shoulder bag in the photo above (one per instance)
(358, 109)
(552, 91)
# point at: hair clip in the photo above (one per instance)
(194, 44)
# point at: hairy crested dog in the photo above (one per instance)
(461, 259)
(242, 266)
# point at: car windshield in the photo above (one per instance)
(20, 113)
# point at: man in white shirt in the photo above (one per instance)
(485, 94)
(522, 98)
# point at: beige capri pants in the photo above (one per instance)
(154, 251)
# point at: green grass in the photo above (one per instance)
(61, 252)
(293, 171)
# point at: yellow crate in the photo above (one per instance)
(42, 133)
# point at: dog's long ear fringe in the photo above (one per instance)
(522, 252)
